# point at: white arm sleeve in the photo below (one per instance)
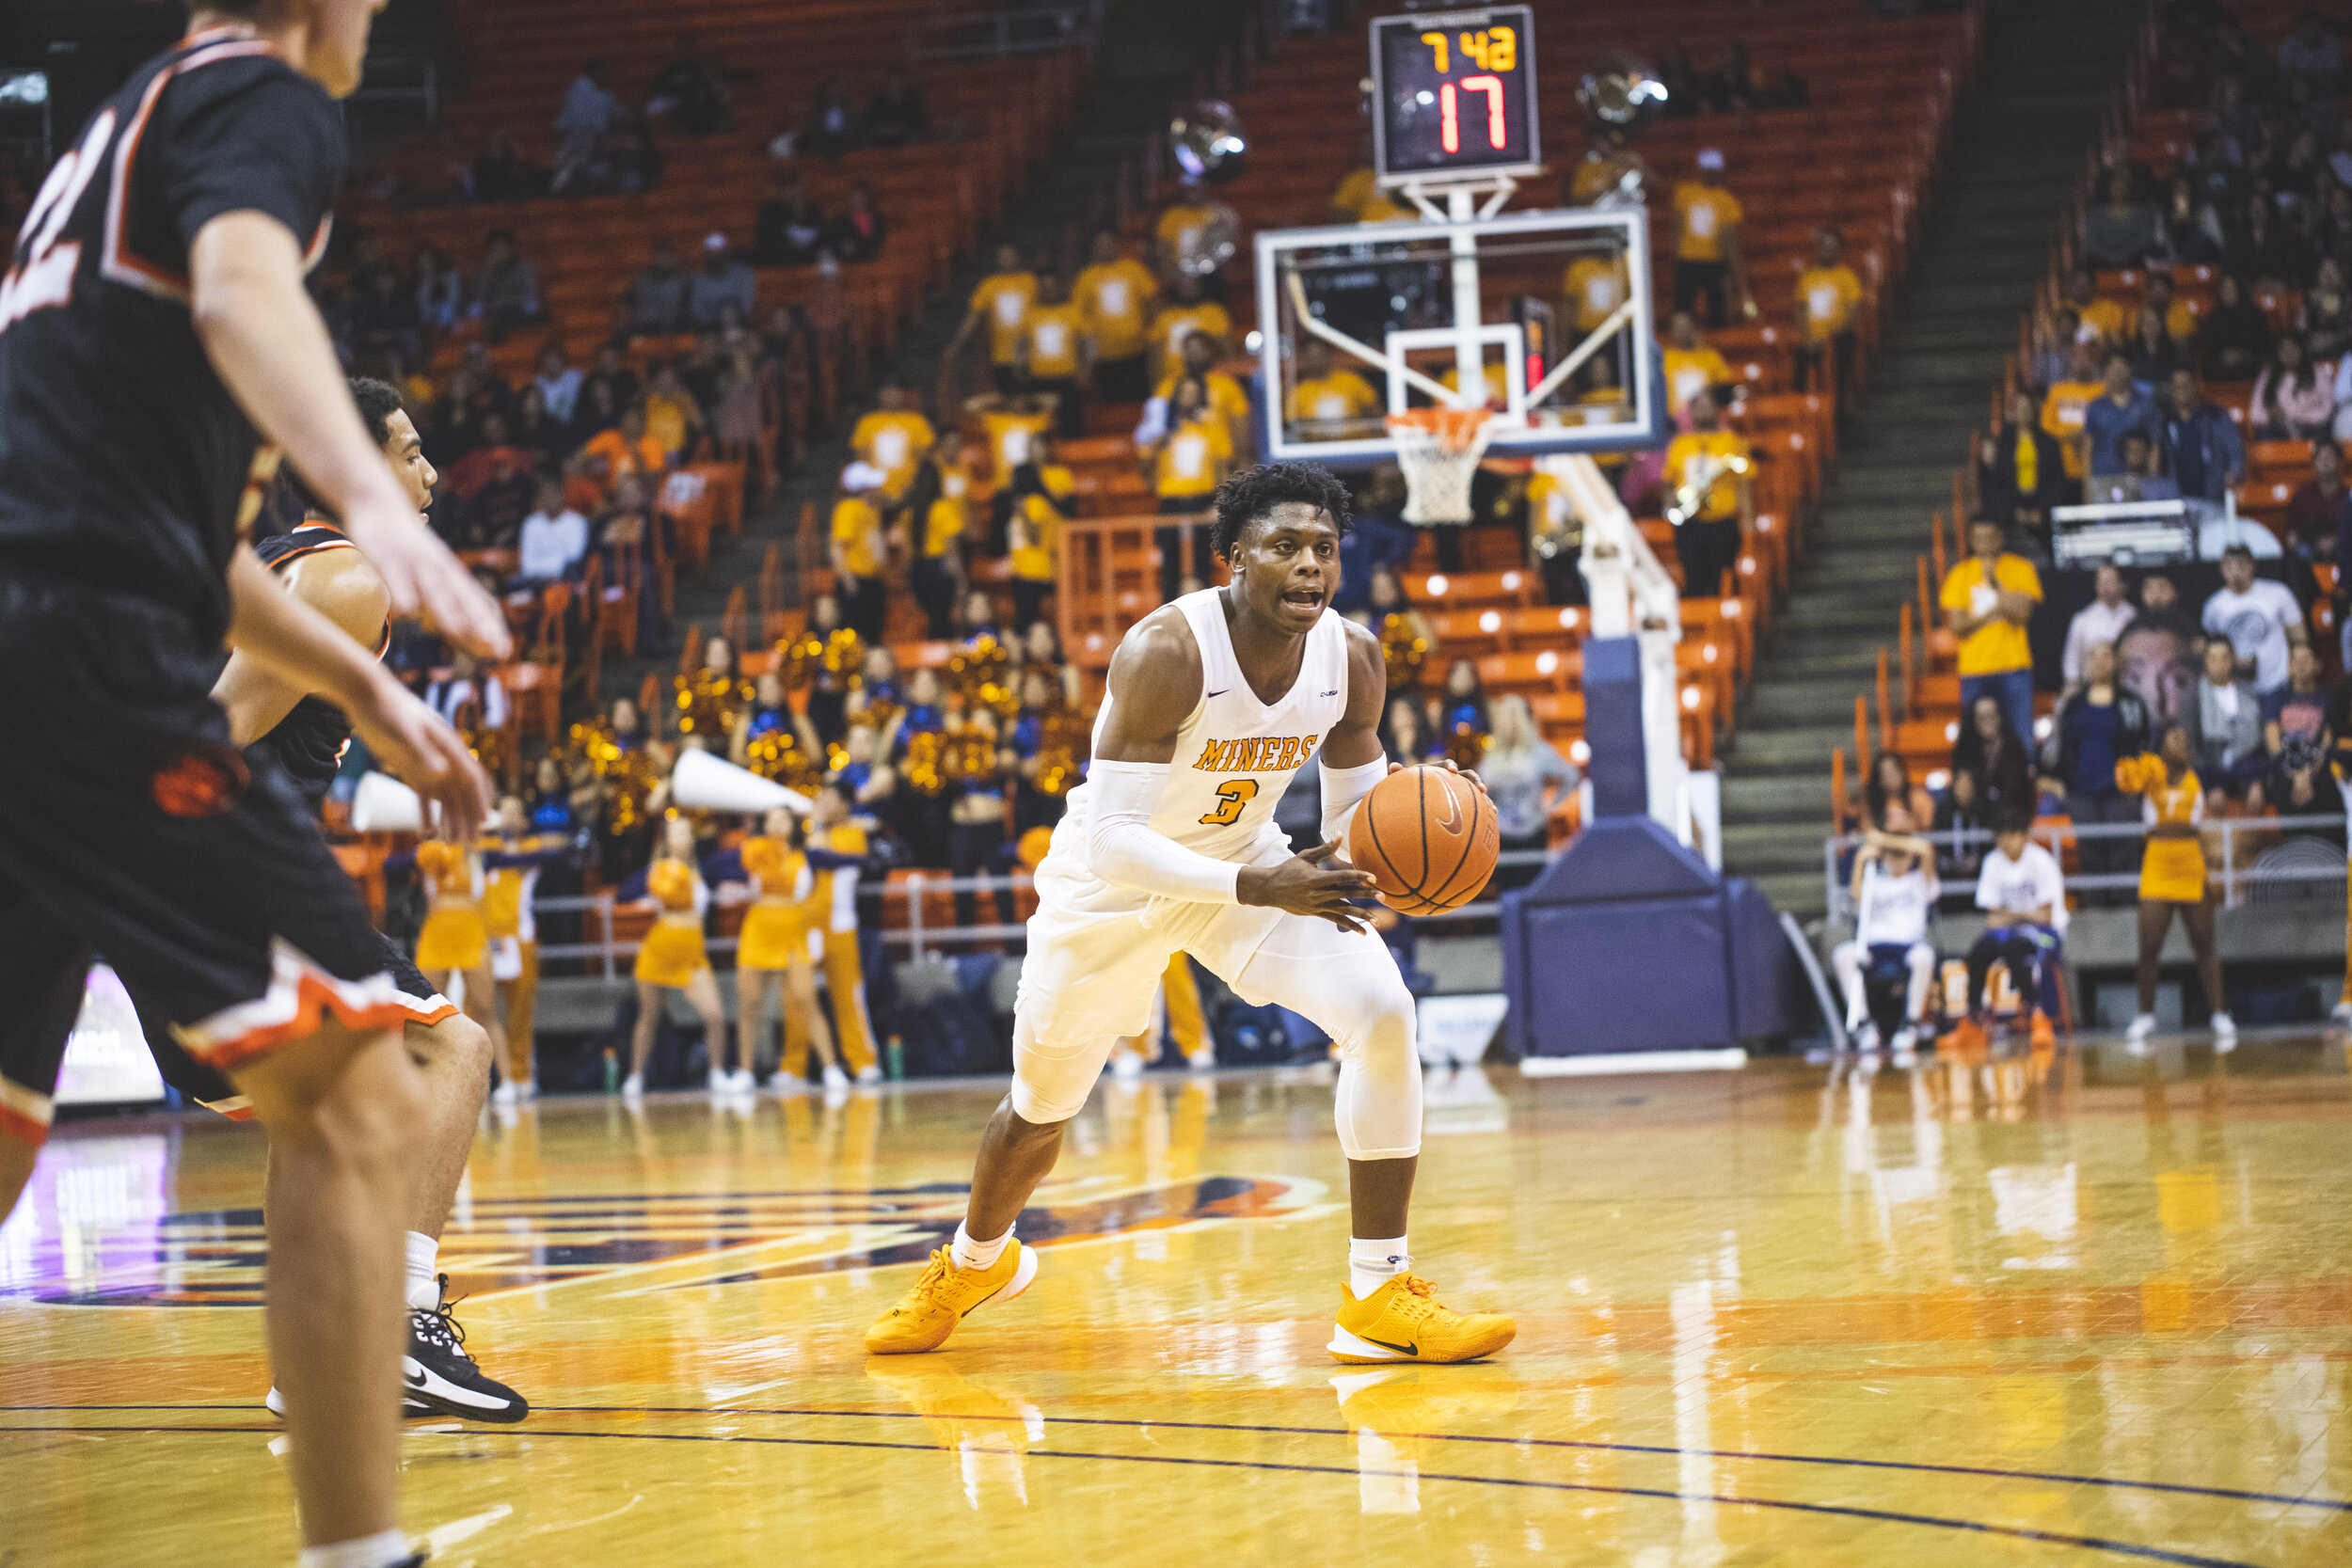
(1344, 789)
(1122, 847)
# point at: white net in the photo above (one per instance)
(1438, 460)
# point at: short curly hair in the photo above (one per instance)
(1250, 495)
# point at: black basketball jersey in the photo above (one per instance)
(124, 463)
(310, 740)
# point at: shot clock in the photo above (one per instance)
(1453, 95)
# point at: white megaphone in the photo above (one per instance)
(703, 783)
(382, 804)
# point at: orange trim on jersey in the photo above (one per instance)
(428, 1017)
(118, 264)
(384, 644)
(236, 1108)
(300, 995)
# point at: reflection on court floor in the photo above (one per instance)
(2080, 1307)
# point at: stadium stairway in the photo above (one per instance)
(2049, 73)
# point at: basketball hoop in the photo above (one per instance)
(1438, 449)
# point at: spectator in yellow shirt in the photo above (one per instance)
(1707, 263)
(1327, 395)
(1178, 231)
(1117, 292)
(894, 438)
(859, 552)
(1829, 296)
(2105, 322)
(1054, 353)
(1988, 599)
(1186, 313)
(2178, 317)
(1603, 169)
(1187, 464)
(939, 514)
(2062, 410)
(1011, 424)
(673, 418)
(1358, 199)
(1591, 288)
(1001, 306)
(1041, 493)
(1691, 366)
(1227, 401)
(1700, 459)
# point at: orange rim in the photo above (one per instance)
(1454, 428)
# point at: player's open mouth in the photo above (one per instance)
(1304, 598)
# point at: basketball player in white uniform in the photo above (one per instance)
(1170, 846)
(1894, 891)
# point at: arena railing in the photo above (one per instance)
(608, 956)
(2235, 877)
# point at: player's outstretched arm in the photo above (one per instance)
(291, 643)
(339, 584)
(1155, 685)
(266, 338)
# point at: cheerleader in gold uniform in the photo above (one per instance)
(672, 956)
(456, 940)
(1407, 644)
(2172, 876)
(776, 951)
(511, 860)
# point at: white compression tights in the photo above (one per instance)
(1350, 987)
(1346, 984)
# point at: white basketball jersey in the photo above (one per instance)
(1234, 757)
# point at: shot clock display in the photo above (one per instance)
(1453, 94)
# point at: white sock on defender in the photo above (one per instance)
(1371, 1264)
(425, 1267)
(381, 1550)
(965, 1253)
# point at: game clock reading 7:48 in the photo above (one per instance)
(1455, 92)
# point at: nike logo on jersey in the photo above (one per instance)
(1220, 693)
(1332, 694)
(1262, 753)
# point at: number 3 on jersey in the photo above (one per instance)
(1231, 797)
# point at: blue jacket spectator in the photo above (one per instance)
(2123, 409)
(2202, 450)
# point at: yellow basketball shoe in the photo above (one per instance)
(1404, 1322)
(939, 1299)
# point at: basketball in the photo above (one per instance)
(1429, 837)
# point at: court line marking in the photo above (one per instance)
(2230, 1494)
(1877, 1515)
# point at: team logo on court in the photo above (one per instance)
(638, 1242)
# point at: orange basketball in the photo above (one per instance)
(1429, 838)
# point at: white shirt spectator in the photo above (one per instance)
(2256, 623)
(561, 392)
(1894, 909)
(448, 697)
(552, 544)
(2092, 624)
(2028, 882)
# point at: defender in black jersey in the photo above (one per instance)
(319, 564)
(155, 329)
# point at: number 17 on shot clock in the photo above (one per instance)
(1454, 96)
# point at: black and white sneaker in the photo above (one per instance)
(410, 1409)
(438, 1373)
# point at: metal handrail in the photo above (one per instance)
(610, 953)
(1075, 25)
(1958, 841)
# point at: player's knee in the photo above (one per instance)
(456, 1045)
(359, 1117)
(1373, 1027)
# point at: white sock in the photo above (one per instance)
(968, 1254)
(381, 1550)
(425, 1267)
(1371, 1264)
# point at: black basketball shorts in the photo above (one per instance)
(132, 830)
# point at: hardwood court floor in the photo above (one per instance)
(2091, 1309)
